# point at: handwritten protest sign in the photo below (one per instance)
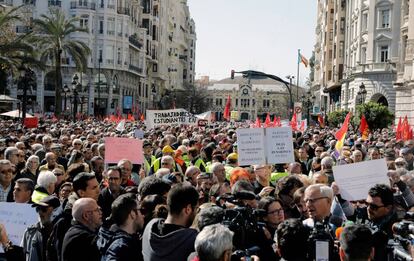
(279, 145)
(354, 180)
(169, 117)
(265, 145)
(16, 217)
(250, 146)
(123, 148)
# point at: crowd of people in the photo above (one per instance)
(190, 199)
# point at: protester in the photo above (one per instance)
(23, 190)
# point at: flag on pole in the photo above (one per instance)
(257, 124)
(405, 129)
(275, 122)
(302, 59)
(121, 126)
(226, 113)
(268, 123)
(142, 118)
(398, 134)
(294, 122)
(363, 128)
(340, 135)
(321, 121)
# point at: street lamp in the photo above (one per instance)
(362, 93)
(26, 79)
(250, 73)
(291, 78)
(66, 90)
(308, 102)
(75, 85)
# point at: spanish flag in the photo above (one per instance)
(302, 59)
(341, 134)
(321, 121)
(363, 128)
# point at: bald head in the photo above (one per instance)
(87, 212)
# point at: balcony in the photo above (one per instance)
(84, 5)
(6, 2)
(135, 68)
(54, 3)
(110, 32)
(183, 57)
(134, 41)
(123, 10)
(29, 2)
(23, 29)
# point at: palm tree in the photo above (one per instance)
(53, 37)
(15, 50)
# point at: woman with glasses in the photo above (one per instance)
(273, 213)
(31, 169)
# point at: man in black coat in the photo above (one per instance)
(80, 240)
(110, 193)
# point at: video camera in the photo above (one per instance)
(321, 243)
(398, 247)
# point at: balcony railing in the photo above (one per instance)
(123, 10)
(54, 3)
(135, 68)
(84, 5)
(135, 42)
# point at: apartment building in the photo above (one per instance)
(130, 63)
(364, 52)
(404, 85)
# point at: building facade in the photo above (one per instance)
(250, 98)
(131, 61)
(404, 85)
(365, 47)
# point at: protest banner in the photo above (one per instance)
(354, 180)
(156, 118)
(123, 148)
(139, 134)
(265, 146)
(16, 217)
(31, 122)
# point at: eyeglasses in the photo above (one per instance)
(318, 151)
(78, 144)
(276, 211)
(58, 174)
(313, 200)
(373, 206)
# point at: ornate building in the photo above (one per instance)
(251, 98)
(139, 48)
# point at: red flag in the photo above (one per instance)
(363, 128)
(405, 129)
(275, 122)
(142, 117)
(279, 123)
(268, 123)
(340, 134)
(398, 134)
(302, 126)
(31, 122)
(321, 121)
(410, 134)
(130, 117)
(257, 124)
(226, 113)
(294, 122)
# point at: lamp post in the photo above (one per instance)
(362, 93)
(291, 78)
(75, 85)
(308, 102)
(250, 73)
(26, 79)
(66, 90)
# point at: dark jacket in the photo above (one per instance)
(33, 241)
(10, 197)
(382, 232)
(175, 246)
(25, 173)
(80, 244)
(116, 244)
(105, 201)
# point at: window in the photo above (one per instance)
(111, 26)
(83, 22)
(101, 25)
(341, 49)
(364, 21)
(119, 55)
(385, 18)
(342, 25)
(119, 30)
(383, 53)
(363, 55)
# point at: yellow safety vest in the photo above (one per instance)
(147, 165)
(37, 196)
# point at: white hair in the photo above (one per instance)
(45, 179)
(213, 241)
(327, 163)
(215, 166)
(167, 158)
(324, 190)
(161, 172)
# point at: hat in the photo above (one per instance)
(389, 154)
(232, 156)
(49, 201)
(405, 151)
(167, 149)
(146, 143)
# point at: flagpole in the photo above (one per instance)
(297, 77)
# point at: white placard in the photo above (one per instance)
(139, 134)
(354, 180)
(322, 250)
(279, 145)
(16, 217)
(169, 117)
(250, 146)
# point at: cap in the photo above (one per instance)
(405, 151)
(49, 201)
(389, 153)
(167, 149)
(232, 156)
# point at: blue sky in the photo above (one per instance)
(263, 35)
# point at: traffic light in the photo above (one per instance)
(232, 74)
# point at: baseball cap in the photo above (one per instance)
(49, 201)
(232, 156)
(167, 149)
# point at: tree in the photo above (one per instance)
(53, 37)
(336, 118)
(377, 115)
(192, 98)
